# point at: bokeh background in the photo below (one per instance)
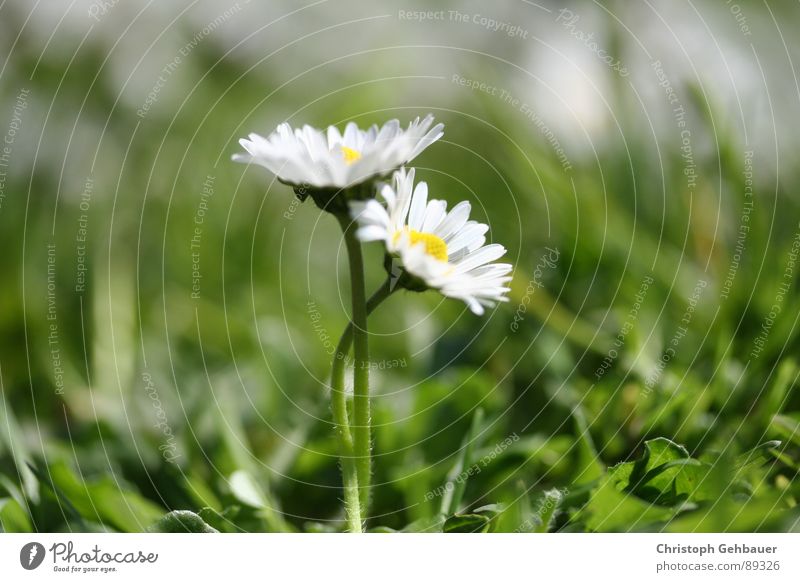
(167, 315)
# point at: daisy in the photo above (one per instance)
(435, 249)
(335, 160)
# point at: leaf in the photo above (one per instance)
(71, 512)
(761, 453)
(492, 510)
(13, 518)
(610, 509)
(318, 527)
(426, 525)
(249, 492)
(200, 492)
(589, 468)
(749, 516)
(181, 521)
(787, 426)
(224, 522)
(665, 475)
(458, 475)
(779, 392)
(11, 439)
(102, 499)
(548, 509)
(467, 523)
(245, 489)
(17, 496)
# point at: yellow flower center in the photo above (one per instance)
(350, 155)
(434, 246)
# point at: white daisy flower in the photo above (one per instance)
(309, 157)
(436, 249)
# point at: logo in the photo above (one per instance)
(31, 555)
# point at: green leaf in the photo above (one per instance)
(181, 521)
(492, 510)
(610, 509)
(665, 475)
(467, 523)
(13, 518)
(319, 527)
(245, 489)
(224, 521)
(11, 439)
(759, 454)
(200, 492)
(426, 525)
(788, 426)
(548, 509)
(103, 500)
(250, 493)
(458, 475)
(588, 468)
(779, 392)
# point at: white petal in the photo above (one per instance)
(467, 236)
(455, 220)
(480, 257)
(419, 201)
(334, 137)
(371, 233)
(436, 211)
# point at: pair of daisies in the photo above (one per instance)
(433, 248)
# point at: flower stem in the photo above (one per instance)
(339, 405)
(355, 444)
(362, 438)
(355, 509)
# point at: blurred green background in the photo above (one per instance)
(167, 314)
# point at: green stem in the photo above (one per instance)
(355, 444)
(346, 340)
(362, 438)
(353, 505)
